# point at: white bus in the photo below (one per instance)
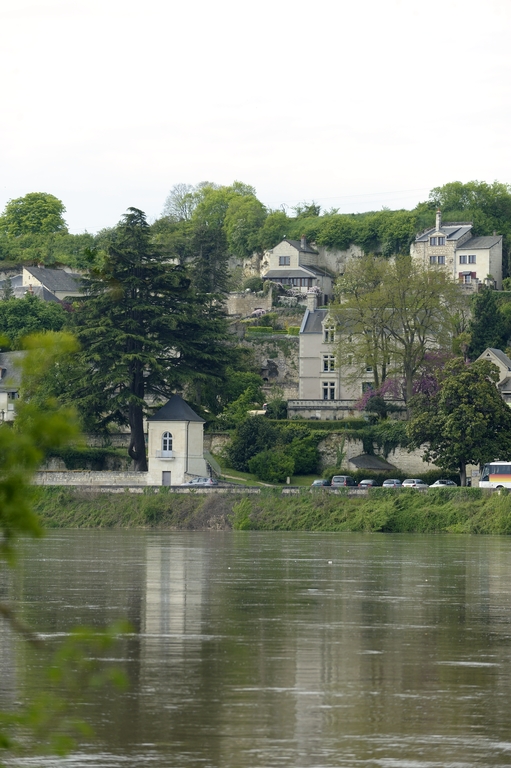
(497, 474)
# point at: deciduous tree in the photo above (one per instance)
(466, 421)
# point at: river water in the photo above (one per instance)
(261, 650)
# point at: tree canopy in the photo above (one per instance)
(36, 213)
(466, 421)
(144, 331)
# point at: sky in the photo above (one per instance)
(355, 105)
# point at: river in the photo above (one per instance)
(262, 650)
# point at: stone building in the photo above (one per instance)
(175, 447)
(295, 264)
(471, 261)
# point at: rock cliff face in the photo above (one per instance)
(277, 359)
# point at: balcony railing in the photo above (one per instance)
(164, 454)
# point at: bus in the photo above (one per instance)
(496, 474)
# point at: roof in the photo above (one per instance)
(56, 279)
(505, 384)
(298, 245)
(296, 272)
(10, 371)
(376, 463)
(312, 321)
(451, 232)
(36, 290)
(476, 243)
(504, 359)
(175, 410)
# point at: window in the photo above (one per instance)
(463, 259)
(441, 241)
(472, 259)
(328, 390)
(369, 368)
(432, 259)
(166, 442)
(328, 363)
(467, 278)
(284, 261)
(366, 386)
(441, 259)
(433, 240)
(329, 334)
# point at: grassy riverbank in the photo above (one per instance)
(404, 511)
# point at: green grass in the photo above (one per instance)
(457, 510)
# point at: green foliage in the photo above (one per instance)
(244, 218)
(254, 284)
(254, 435)
(274, 229)
(20, 317)
(466, 422)
(305, 455)
(277, 409)
(236, 411)
(488, 327)
(39, 427)
(272, 466)
(35, 213)
(143, 330)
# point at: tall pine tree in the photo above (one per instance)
(143, 331)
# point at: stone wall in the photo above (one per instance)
(87, 478)
(277, 358)
(244, 304)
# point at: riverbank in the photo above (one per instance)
(460, 510)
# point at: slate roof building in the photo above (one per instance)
(295, 264)
(58, 282)
(175, 444)
(503, 363)
(471, 261)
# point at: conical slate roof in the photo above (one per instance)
(175, 410)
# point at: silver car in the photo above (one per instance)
(201, 481)
(415, 483)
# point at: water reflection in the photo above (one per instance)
(284, 649)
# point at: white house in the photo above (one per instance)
(175, 449)
(324, 391)
(503, 363)
(10, 376)
(294, 264)
(56, 281)
(469, 260)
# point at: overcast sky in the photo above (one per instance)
(356, 104)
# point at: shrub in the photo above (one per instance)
(272, 466)
(254, 284)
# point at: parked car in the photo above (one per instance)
(320, 483)
(368, 484)
(392, 484)
(415, 483)
(201, 481)
(342, 481)
(443, 484)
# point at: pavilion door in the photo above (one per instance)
(165, 478)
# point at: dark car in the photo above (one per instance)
(320, 483)
(343, 481)
(201, 481)
(368, 484)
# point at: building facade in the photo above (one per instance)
(471, 261)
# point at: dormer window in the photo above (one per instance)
(329, 334)
(437, 240)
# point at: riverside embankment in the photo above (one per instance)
(460, 510)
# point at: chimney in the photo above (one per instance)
(312, 301)
(303, 243)
(438, 220)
